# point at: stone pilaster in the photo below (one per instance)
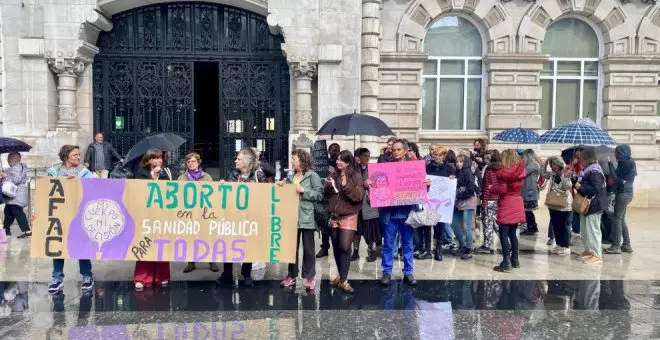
(303, 71)
(400, 91)
(369, 88)
(67, 71)
(513, 92)
(630, 97)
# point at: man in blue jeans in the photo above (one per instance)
(69, 169)
(394, 220)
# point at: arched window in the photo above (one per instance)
(570, 78)
(452, 76)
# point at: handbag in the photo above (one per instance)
(424, 217)
(9, 189)
(556, 199)
(581, 204)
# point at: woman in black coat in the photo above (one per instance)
(591, 185)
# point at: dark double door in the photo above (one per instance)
(211, 74)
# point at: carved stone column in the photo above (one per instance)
(67, 70)
(370, 56)
(303, 71)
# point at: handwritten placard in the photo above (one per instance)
(442, 196)
(113, 219)
(397, 183)
(320, 157)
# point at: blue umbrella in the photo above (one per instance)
(518, 135)
(583, 131)
(13, 145)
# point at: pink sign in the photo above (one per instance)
(397, 183)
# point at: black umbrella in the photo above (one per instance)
(13, 145)
(602, 152)
(166, 142)
(355, 124)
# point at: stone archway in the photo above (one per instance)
(648, 32)
(608, 15)
(490, 14)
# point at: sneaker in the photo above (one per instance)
(25, 234)
(424, 256)
(585, 255)
(336, 281)
(190, 267)
(416, 253)
(554, 250)
(551, 241)
(164, 283)
(356, 255)
(627, 249)
(345, 287)
(502, 269)
(594, 260)
(563, 251)
(214, 267)
(55, 286)
(139, 286)
(288, 282)
(466, 255)
(437, 254)
(88, 283)
(310, 283)
(614, 249)
(322, 253)
(483, 250)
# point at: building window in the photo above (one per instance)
(453, 75)
(570, 79)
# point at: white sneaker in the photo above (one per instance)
(554, 249)
(139, 286)
(564, 251)
(165, 283)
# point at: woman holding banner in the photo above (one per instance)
(148, 273)
(309, 187)
(247, 166)
(195, 173)
(70, 168)
(345, 191)
(510, 207)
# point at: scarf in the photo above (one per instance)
(591, 168)
(193, 175)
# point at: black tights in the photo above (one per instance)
(342, 240)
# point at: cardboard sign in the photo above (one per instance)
(113, 219)
(321, 158)
(442, 196)
(397, 183)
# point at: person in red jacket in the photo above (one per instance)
(510, 207)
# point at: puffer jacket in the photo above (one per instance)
(530, 190)
(490, 183)
(17, 174)
(465, 181)
(511, 209)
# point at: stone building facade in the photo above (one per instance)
(437, 71)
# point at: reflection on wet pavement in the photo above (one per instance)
(435, 309)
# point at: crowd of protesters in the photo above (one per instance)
(497, 193)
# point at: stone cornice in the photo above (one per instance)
(303, 67)
(67, 66)
(517, 58)
(632, 60)
(403, 56)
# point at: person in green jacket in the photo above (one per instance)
(194, 173)
(309, 186)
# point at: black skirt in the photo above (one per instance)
(370, 229)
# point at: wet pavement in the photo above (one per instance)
(435, 309)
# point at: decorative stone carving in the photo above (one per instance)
(67, 70)
(303, 70)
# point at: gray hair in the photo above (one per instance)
(529, 156)
(250, 159)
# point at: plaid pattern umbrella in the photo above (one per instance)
(13, 145)
(518, 135)
(582, 131)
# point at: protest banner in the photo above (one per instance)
(442, 196)
(397, 183)
(113, 219)
(321, 158)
